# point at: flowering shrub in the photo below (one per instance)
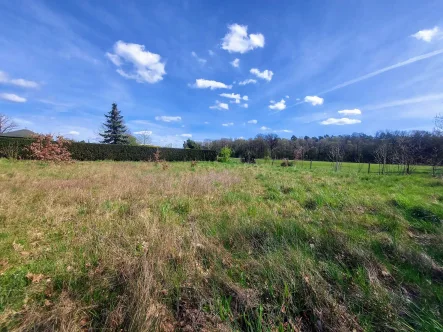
(45, 148)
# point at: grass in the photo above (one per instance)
(133, 246)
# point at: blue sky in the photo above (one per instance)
(303, 68)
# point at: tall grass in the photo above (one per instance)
(211, 246)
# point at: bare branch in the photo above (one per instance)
(6, 124)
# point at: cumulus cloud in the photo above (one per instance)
(235, 96)
(209, 84)
(265, 128)
(17, 81)
(355, 111)
(253, 121)
(211, 52)
(206, 122)
(235, 63)
(426, 35)
(287, 97)
(245, 105)
(238, 40)
(12, 97)
(186, 135)
(248, 81)
(144, 66)
(265, 75)
(280, 106)
(165, 118)
(340, 122)
(314, 100)
(201, 60)
(219, 106)
(74, 133)
(229, 124)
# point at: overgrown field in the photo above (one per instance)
(136, 247)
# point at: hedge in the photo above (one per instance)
(94, 151)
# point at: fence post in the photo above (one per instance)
(369, 168)
(310, 165)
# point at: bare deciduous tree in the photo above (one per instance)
(6, 124)
(336, 155)
(143, 137)
(381, 156)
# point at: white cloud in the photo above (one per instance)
(383, 70)
(186, 135)
(248, 81)
(12, 97)
(314, 100)
(235, 63)
(219, 106)
(143, 132)
(228, 124)
(115, 59)
(280, 106)
(355, 111)
(209, 84)
(146, 66)
(235, 96)
(245, 105)
(237, 39)
(340, 122)
(74, 133)
(287, 97)
(230, 95)
(265, 128)
(253, 121)
(206, 122)
(17, 81)
(284, 131)
(201, 60)
(426, 35)
(266, 74)
(211, 52)
(168, 118)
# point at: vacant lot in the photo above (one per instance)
(136, 246)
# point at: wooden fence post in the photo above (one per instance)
(310, 165)
(369, 168)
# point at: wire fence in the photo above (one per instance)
(368, 168)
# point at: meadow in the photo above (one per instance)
(138, 246)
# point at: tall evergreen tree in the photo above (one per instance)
(115, 131)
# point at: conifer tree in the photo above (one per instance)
(115, 131)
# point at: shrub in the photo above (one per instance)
(248, 158)
(287, 163)
(45, 148)
(94, 151)
(225, 154)
(10, 151)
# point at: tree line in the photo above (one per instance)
(404, 148)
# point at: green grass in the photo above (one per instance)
(219, 245)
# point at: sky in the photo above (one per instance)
(221, 69)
